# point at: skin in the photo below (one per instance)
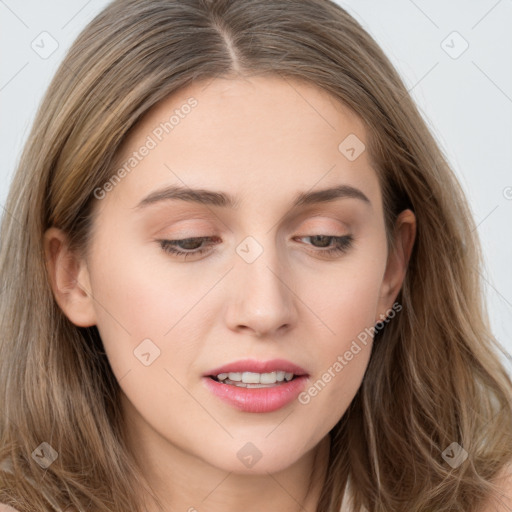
(262, 140)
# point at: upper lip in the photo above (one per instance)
(253, 365)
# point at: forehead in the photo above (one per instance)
(256, 104)
(253, 137)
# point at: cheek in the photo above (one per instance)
(345, 296)
(145, 304)
(345, 301)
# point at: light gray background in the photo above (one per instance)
(465, 96)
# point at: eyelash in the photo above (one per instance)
(344, 243)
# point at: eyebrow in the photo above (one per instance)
(224, 200)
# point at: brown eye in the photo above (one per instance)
(342, 243)
(185, 246)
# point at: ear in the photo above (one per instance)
(69, 279)
(396, 267)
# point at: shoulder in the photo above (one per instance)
(6, 508)
(503, 503)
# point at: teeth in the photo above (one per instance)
(251, 378)
(266, 378)
(256, 378)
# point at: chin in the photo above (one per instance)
(257, 457)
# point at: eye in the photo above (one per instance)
(195, 246)
(191, 246)
(341, 243)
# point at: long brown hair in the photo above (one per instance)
(434, 377)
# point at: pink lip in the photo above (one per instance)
(257, 399)
(252, 365)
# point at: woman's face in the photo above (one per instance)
(265, 286)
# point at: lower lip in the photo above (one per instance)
(257, 399)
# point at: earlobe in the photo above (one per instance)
(69, 279)
(396, 269)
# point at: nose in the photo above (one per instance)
(261, 299)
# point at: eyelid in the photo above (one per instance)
(342, 245)
(334, 223)
(316, 221)
(309, 230)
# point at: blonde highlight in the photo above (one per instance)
(434, 376)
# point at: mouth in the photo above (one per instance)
(256, 398)
(254, 380)
(256, 386)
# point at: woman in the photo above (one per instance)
(238, 272)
